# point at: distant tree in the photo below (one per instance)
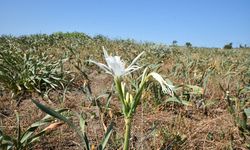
(174, 43)
(100, 38)
(240, 46)
(188, 44)
(228, 46)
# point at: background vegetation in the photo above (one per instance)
(210, 110)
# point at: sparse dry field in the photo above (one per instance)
(212, 86)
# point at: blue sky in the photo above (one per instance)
(210, 23)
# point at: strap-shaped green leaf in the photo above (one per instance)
(106, 137)
(59, 116)
(247, 112)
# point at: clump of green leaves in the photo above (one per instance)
(30, 70)
(238, 107)
(85, 143)
(26, 139)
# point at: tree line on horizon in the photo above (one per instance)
(80, 35)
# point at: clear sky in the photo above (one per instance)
(210, 23)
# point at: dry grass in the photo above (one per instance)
(157, 126)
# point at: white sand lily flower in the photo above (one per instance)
(166, 88)
(115, 66)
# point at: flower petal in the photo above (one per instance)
(105, 52)
(102, 66)
(131, 69)
(116, 65)
(166, 88)
(136, 58)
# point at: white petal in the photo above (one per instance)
(132, 69)
(166, 88)
(105, 52)
(102, 66)
(134, 61)
(116, 65)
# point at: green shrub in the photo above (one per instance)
(228, 46)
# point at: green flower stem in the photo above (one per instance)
(118, 85)
(127, 133)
